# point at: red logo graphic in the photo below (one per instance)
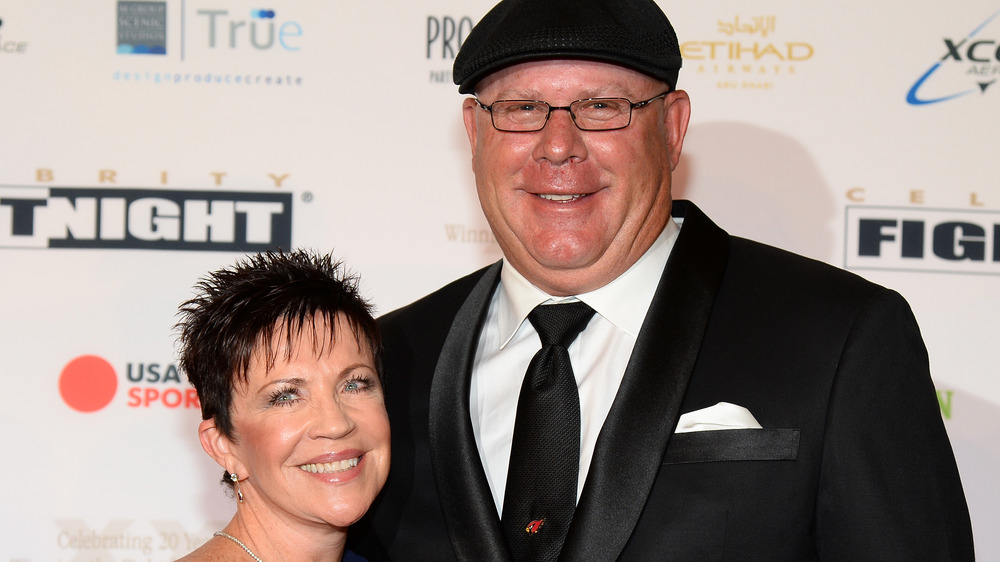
(88, 383)
(533, 527)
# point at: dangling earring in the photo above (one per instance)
(236, 482)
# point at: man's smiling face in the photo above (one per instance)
(573, 209)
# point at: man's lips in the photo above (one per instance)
(561, 198)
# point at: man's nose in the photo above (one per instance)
(560, 140)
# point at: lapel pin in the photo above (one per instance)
(533, 527)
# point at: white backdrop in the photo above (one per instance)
(126, 176)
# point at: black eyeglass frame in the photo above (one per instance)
(568, 108)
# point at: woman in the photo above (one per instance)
(284, 355)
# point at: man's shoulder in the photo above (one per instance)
(751, 265)
(764, 267)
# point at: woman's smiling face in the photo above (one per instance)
(311, 432)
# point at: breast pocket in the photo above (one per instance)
(733, 445)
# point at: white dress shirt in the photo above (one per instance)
(599, 355)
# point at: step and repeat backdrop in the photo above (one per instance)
(144, 143)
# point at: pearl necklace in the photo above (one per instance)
(239, 542)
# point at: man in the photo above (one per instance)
(734, 401)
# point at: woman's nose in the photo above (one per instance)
(331, 420)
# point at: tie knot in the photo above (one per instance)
(559, 324)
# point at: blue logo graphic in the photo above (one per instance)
(973, 53)
(262, 14)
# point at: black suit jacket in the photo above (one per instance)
(853, 462)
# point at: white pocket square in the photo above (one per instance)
(721, 416)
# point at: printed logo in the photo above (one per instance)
(113, 541)
(142, 28)
(127, 539)
(207, 33)
(221, 30)
(747, 54)
(468, 234)
(89, 383)
(925, 240)
(444, 37)
(158, 384)
(11, 47)
(972, 61)
(945, 403)
(145, 219)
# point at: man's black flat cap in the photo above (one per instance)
(631, 33)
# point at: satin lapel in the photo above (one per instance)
(632, 442)
(464, 493)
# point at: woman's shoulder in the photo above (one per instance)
(211, 550)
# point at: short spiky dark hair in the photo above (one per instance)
(236, 311)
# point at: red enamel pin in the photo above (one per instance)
(533, 527)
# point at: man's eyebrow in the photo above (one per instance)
(518, 94)
(602, 91)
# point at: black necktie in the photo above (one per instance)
(540, 496)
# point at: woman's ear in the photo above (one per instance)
(220, 447)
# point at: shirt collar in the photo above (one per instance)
(623, 302)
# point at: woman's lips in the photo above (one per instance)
(331, 467)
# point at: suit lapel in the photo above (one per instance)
(632, 442)
(464, 493)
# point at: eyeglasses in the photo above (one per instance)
(592, 114)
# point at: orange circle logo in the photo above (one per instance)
(88, 383)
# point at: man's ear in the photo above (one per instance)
(676, 119)
(469, 110)
(220, 447)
